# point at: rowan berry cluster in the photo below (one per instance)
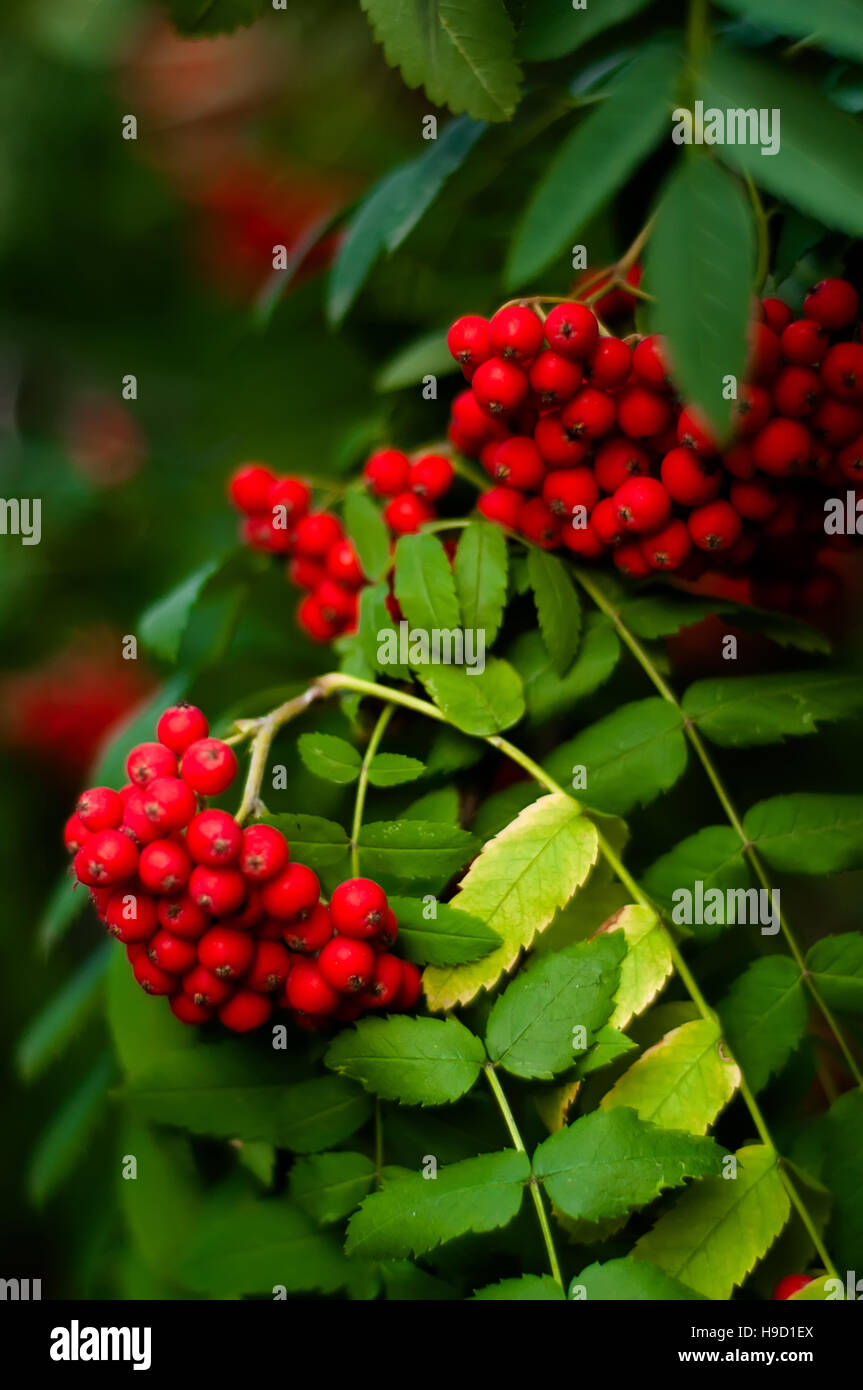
(589, 447)
(218, 917)
(322, 560)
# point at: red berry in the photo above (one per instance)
(804, 342)
(310, 934)
(218, 891)
(343, 565)
(431, 476)
(269, 969)
(251, 915)
(572, 330)
(715, 527)
(554, 378)
(307, 990)
(590, 414)
(358, 908)
(213, 838)
(650, 362)
(75, 834)
(209, 766)
(388, 470)
(617, 460)
(187, 1011)
(776, 314)
(567, 489)
(292, 894)
(151, 978)
(609, 363)
(181, 725)
(796, 391)
(100, 808)
(500, 387)
(606, 523)
(172, 953)
(668, 547)
(288, 501)
(313, 621)
(832, 303)
(136, 820)
(261, 532)
(386, 982)
(517, 463)
(475, 422)
(842, 371)
(538, 523)
(106, 857)
(693, 431)
(181, 916)
(406, 513)
(148, 761)
(469, 341)
(560, 446)
(642, 412)
(101, 898)
(168, 803)
(751, 409)
(409, 989)
(836, 422)
(388, 932)
(347, 965)
(264, 852)
(850, 460)
(248, 488)
(337, 604)
(247, 1010)
(131, 917)
(739, 462)
(226, 952)
(689, 478)
(316, 534)
(203, 987)
(792, 1283)
(764, 353)
(516, 333)
(164, 866)
(630, 560)
(754, 501)
(501, 504)
(642, 504)
(582, 541)
(782, 447)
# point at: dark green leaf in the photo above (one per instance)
(630, 756)
(558, 608)
(806, 833)
(447, 938)
(392, 769)
(68, 899)
(441, 804)
(843, 1174)
(838, 29)
(700, 264)
(478, 703)
(424, 356)
(530, 1288)
(764, 1017)
(552, 29)
(418, 1061)
(836, 965)
(546, 693)
(328, 1186)
(749, 710)
(629, 1281)
(424, 584)
(480, 572)
(66, 1138)
(415, 849)
(377, 633)
(367, 529)
(246, 1247)
(162, 626)
(197, 17)
(319, 843)
(63, 1017)
(713, 856)
(329, 757)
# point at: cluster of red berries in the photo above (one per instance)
(589, 447)
(218, 917)
(323, 561)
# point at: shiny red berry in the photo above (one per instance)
(501, 504)
(791, 1283)
(204, 987)
(567, 489)
(538, 523)
(100, 808)
(554, 378)
(172, 953)
(517, 463)
(270, 967)
(181, 916)
(642, 412)
(833, 303)
(264, 852)
(151, 979)
(689, 478)
(213, 838)
(388, 470)
(617, 460)
(164, 866)
(406, 513)
(181, 725)
(288, 501)
(217, 891)
(385, 984)
(668, 547)
(609, 363)
(316, 533)
(715, 527)
(642, 504)
(75, 834)
(226, 952)
(409, 989)
(245, 1011)
(209, 766)
(308, 991)
(516, 333)
(148, 761)
(469, 340)
(168, 803)
(187, 1011)
(248, 488)
(842, 371)
(572, 330)
(589, 415)
(293, 893)
(107, 857)
(804, 342)
(782, 447)
(131, 917)
(358, 908)
(343, 565)
(308, 934)
(346, 964)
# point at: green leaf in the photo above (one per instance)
(162, 626)
(197, 17)
(480, 572)
(699, 264)
(327, 1187)
(441, 804)
(424, 584)
(229, 1092)
(462, 54)
(836, 965)
(719, 1229)
(388, 214)
(682, 1082)
(806, 833)
(450, 937)
(749, 710)
(418, 1061)
(630, 756)
(367, 529)
(63, 1143)
(515, 886)
(713, 856)
(477, 703)
(627, 1281)
(142, 1036)
(546, 692)
(843, 1174)
(376, 632)
(529, 1288)
(321, 844)
(838, 29)
(415, 849)
(392, 769)
(608, 1163)
(65, 903)
(63, 1017)
(329, 757)
(646, 966)
(414, 1214)
(782, 628)
(558, 608)
(821, 149)
(626, 125)
(551, 30)
(608, 1045)
(530, 1028)
(423, 356)
(663, 614)
(247, 1247)
(764, 1017)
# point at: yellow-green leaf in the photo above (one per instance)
(646, 965)
(682, 1082)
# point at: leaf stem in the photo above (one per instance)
(535, 1192)
(643, 657)
(378, 732)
